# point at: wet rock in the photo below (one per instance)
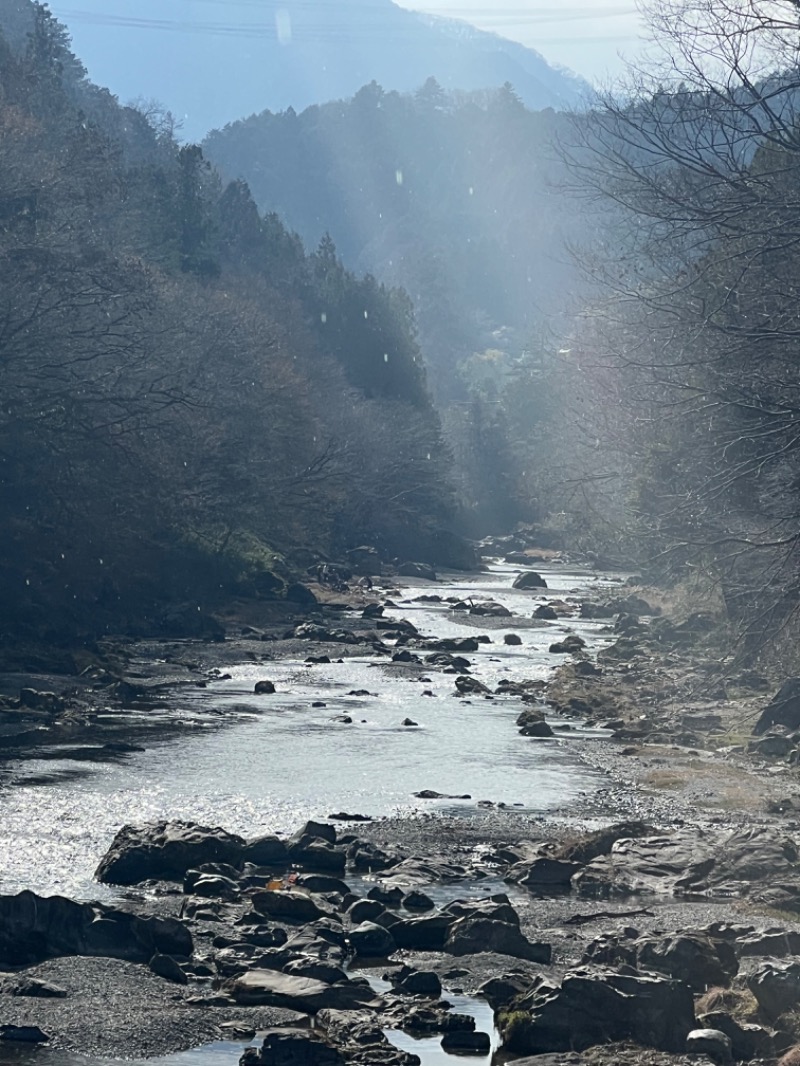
(23, 1034)
(265, 851)
(369, 940)
(776, 943)
(264, 936)
(512, 639)
(693, 958)
(458, 662)
(343, 816)
(165, 966)
(287, 905)
(530, 716)
(545, 613)
(776, 987)
(529, 580)
(432, 1020)
(417, 570)
(165, 851)
(570, 645)
(543, 872)
(34, 928)
(500, 991)
(454, 644)
(408, 722)
(598, 1006)
(321, 883)
(34, 988)
(210, 886)
(301, 595)
(419, 983)
(264, 688)
(748, 1041)
(430, 794)
(491, 609)
(470, 936)
(48, 702)
(318, 969)
(471, 686)
(465, 1043)
(710, 1042)
(417, 901)
(537, 729)
(272, 989)
(593, 845)
(317, 852)
(591, 610)
(364, 855)
(361, 1039)
(365, 910)
(420, 934)
(390, 896)
(293, 1049)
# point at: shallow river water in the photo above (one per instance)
(278, 761)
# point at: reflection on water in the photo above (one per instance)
(288, 761)
(429, 1048)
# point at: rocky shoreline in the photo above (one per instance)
(656, 919)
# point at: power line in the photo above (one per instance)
(330, 31)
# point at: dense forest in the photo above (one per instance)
(190, 400)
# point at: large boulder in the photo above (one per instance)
(287, 906)
(470, 936)
(34, 928)
(601, 1006)
(369, 940)
(530, 580)
(272, 989)
(694, 958)
(776, 986)
(165, 851)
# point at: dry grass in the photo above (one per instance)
(741, 1004)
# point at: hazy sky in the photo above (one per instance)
(585, 35)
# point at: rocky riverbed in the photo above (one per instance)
(644, 890)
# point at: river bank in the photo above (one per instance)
(623, 730)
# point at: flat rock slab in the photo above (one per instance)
(273, 989)
(693, 861)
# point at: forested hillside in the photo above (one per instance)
(213, 63)
(187, 394)
(456, 197)
(460, 199)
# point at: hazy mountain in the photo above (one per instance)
(227, 63)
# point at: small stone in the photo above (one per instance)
(264, 688)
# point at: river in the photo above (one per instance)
(278, 761)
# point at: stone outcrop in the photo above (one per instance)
(34, 928)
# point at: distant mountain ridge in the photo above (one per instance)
(272, 56)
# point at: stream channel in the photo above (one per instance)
(269, 763)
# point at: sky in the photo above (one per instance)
(591, 37)
(585, 35)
